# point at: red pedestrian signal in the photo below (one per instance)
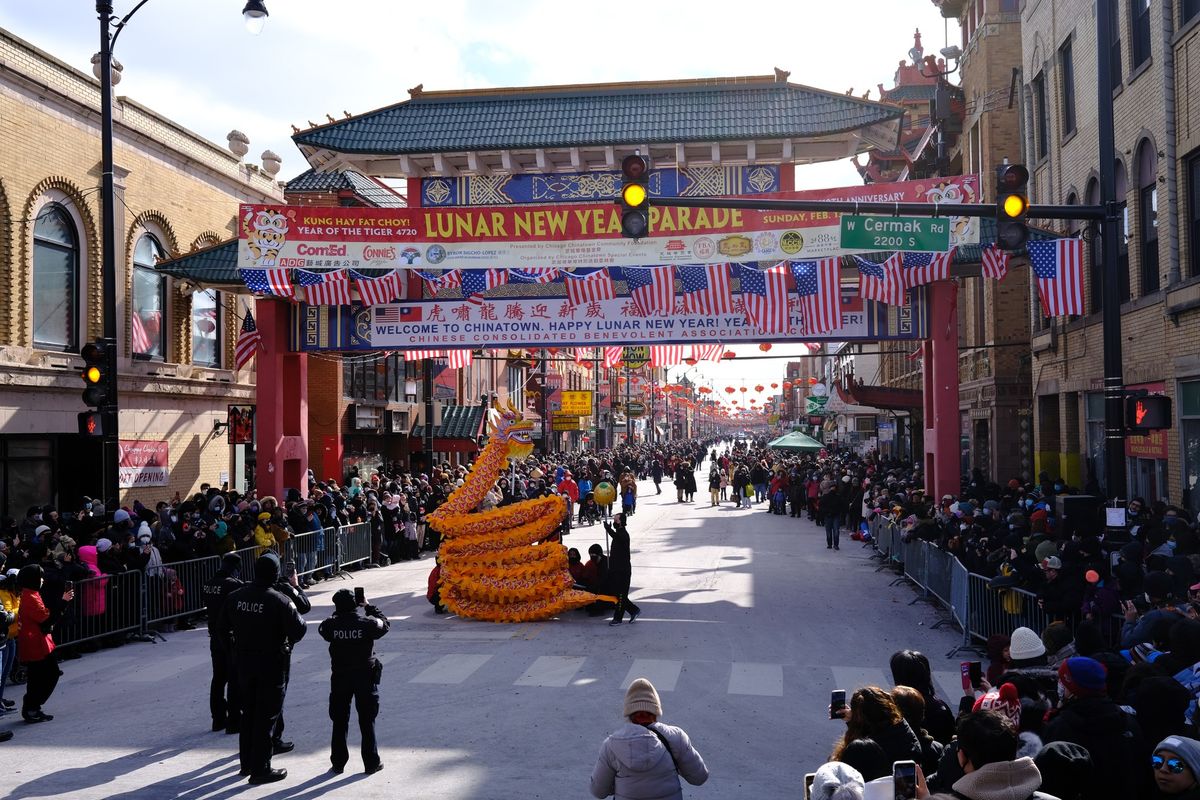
(91, 423)
(1151, 412)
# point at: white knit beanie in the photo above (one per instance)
(642, 696)
(1025, 644)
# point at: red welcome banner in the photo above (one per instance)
(565, 236)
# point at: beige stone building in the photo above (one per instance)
(1154, 89)
(176, 192)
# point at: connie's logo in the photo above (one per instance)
(379, 253)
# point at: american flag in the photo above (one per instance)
(534, 274)
(708, 352)
(995, 262)
(477, 281)
(269, 281)
(581, 356)
(457, 359)
(817, 283)
(418, 355)
(881, 282)
(437, 283)
(765, 297)
(612, 356)
(1058, 266)
(652, 289)
(596, 285)
(706, 289)
(923, 268)
(380, 291)
(139, 338)
(666, 355)
(248, 341)
(325, 289)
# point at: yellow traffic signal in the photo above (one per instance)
(98, 374)
(1015, 205)
(635, 197)
(1012, 204)
(633, 194)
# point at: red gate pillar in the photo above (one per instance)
(281, 417)
(941, 392)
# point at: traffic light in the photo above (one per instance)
(1012, 204)
(1150, 412)
(635, 197)
(99, 370)
(91, 423)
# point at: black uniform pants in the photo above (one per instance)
(620, 587)
(223, 699)
(277, 731)
(262, 684)
(40, 679)
(363, 687)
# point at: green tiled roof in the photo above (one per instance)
(458, 422)
(347, 180)
(213, 265)
(614, 114)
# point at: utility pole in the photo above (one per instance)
(545, 402)
(427, 390)
(110, 442)
(596, 397)
(628, 419)
(1110, 307)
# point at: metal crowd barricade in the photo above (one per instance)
(103, 606)
(1000, 611)
(177, 589)
(354, 544)
(312, 552)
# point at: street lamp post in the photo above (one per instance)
(255, 14)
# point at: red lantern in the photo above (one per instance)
(730, 389)
(765, 347)
(743, 389)
(690, 361)
(787, 386)
(735, 402)
(729, 354)
(774, 385)
(758, 388)
(812, 381)
(752, 401)
(705, 390)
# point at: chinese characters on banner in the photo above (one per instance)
(142, 463)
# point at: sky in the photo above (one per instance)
(194, 62)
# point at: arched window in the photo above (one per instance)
(1148, 216)
(148, 320)
(55, 280)
(1096, 267)
(1125, 234)
(206, 328)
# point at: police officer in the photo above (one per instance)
(351, 633)
(261, 625)
(289, 585)
(222, 692)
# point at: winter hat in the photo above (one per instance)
(1052, 562)
(120, 516)
(143, 535)
(1065, 766)
(1056, 636)
(1091, 576)
(30, 576)
(41, 530)
(1025, 644)
(1045, 550)
(1004, 701)
(231, 562)
(1185, 748)
(832, 776)
(266, 569)
(343, 600)
(1083, 676)
(642, 696)
(103, 545)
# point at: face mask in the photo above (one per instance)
(1172, 544)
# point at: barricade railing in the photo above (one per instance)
(177, 589)
(999, 610)
(354, 544)
(104, 606)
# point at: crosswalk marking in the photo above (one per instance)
(663, 673)
(765, 680)
(851, 678)
(551, 671)
(451, 669)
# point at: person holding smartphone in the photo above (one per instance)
(35, 643)
(351, 633)
(987, 752)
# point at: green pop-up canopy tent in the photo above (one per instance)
(796, 441)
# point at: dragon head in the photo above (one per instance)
(507, 426)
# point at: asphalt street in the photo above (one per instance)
(748, 623)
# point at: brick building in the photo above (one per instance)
(1154, 87)
(176, 192)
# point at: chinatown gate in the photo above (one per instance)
(509, 239)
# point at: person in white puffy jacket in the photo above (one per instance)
(644, 759)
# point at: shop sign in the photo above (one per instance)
(142, 463)
(577, 402)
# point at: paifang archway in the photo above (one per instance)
(489, 150)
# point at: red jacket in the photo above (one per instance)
(434, 575)
(32, 644)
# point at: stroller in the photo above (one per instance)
(589, 511)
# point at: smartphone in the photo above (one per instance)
(808, 782)
(966, 705)
(837, 701)
(69, 586)
(360, 597)
(904, 780)
(965, 668)
(975, 672)
(289, 569)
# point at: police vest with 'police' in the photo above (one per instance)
(256, 608)
(354, 634)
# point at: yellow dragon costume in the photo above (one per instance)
(497, 565)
